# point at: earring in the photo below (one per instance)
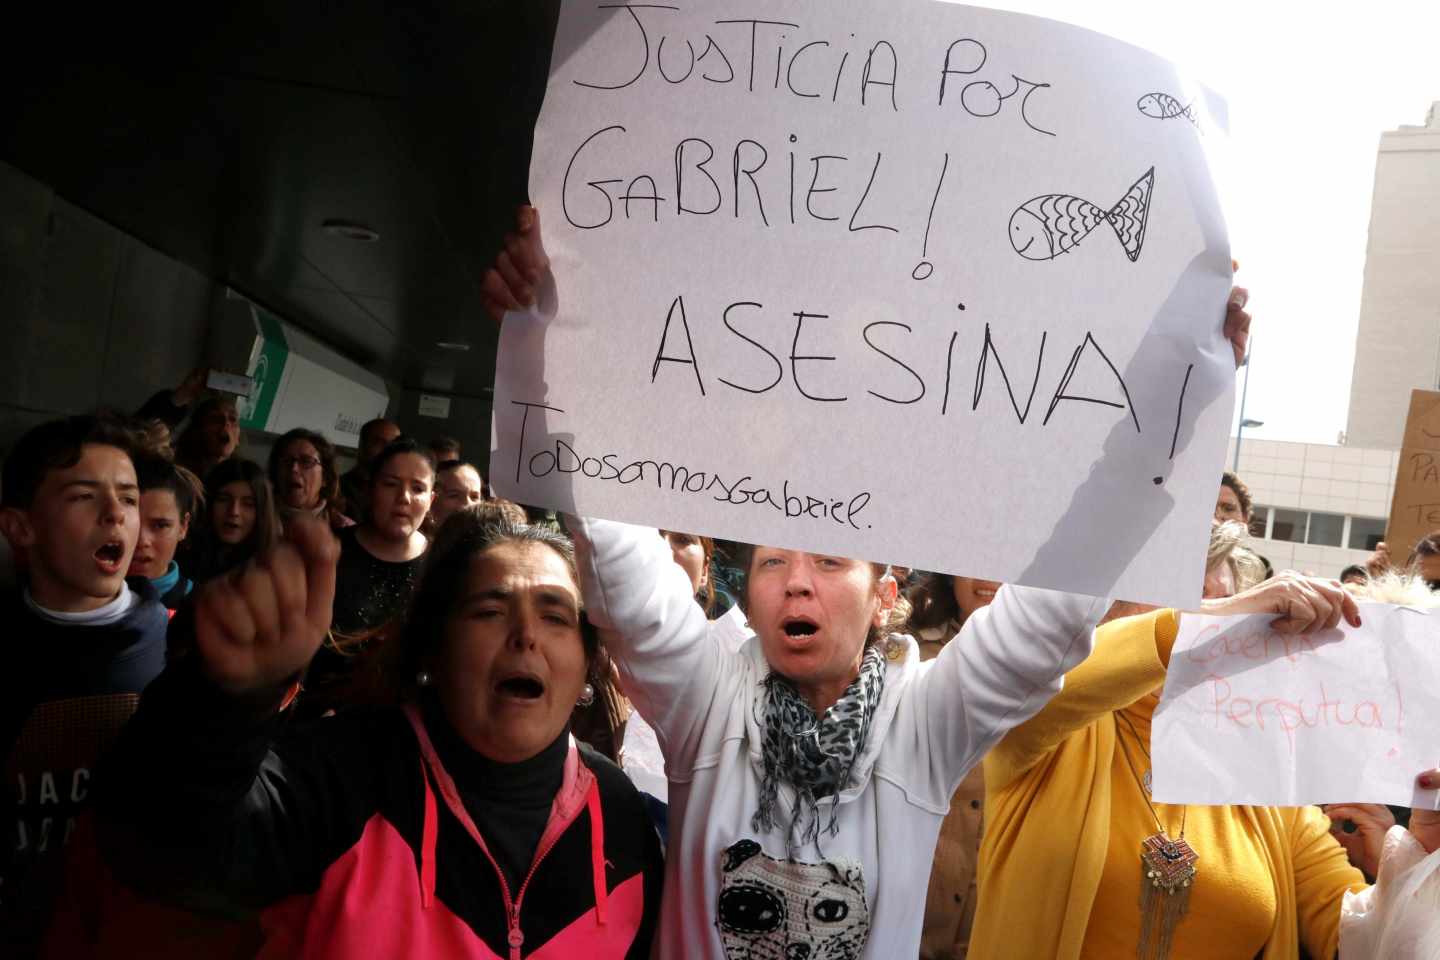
(587, 696)
(424, 679)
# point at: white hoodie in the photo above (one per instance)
(726, 898)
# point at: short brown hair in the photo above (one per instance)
(57, 446)
(157, 473)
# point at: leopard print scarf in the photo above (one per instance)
(814, 756)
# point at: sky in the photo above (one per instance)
(1309, 95)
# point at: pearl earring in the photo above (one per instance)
(587, 695)
(423, 678)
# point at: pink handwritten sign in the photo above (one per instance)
(1250, 716)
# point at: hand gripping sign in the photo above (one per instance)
(909, 281)
(1252, 716)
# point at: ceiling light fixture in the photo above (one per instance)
(350, 230)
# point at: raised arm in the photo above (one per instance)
(656, 632)
(201, 799)
(1003, 665)
(1133, 653)
(1129, 661)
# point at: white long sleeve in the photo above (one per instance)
(642, 601)
(1399, 917)
(1006, 663)
(932, 723)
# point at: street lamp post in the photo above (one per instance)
(1244, 394)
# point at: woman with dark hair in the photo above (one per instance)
(302, 472)
(211, 437)
(380, 561)
(170, 498)
(463, 822)
(240, 519)
(1424, 560)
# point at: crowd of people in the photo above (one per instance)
(283, 710)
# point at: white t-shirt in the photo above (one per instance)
(112, 612)
(731, 890)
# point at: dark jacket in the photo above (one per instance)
(355, 839)
(65, 692)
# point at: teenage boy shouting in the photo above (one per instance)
(79, 642)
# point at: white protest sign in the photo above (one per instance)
(1250, 716)
(905, 280)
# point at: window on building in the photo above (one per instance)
(1365, 533)
(1289, 525)
(1326, 529)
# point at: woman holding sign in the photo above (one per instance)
(1078, 862)
(811, 770)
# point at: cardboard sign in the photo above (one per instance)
(1415, 510)
(1250, 716)
(910, 281)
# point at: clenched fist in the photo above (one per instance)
(258, 627)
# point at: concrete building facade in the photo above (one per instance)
(1317, 508)
(1398, 345)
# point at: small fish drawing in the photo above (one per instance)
(1162, 106)
(1045, 227)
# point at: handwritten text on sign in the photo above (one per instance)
(1250, 716)
(910, 281)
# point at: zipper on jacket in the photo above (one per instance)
(517, 936)
(512, 908)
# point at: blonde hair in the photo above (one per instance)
(1227, 546)
(1401, 589)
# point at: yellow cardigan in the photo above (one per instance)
(1047, 817)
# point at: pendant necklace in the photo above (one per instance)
(1167, 869)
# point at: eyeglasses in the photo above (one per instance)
(304, 463)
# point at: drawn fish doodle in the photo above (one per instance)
(1162, 106)
(1045, 227)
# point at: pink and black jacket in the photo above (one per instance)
(352, 837)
